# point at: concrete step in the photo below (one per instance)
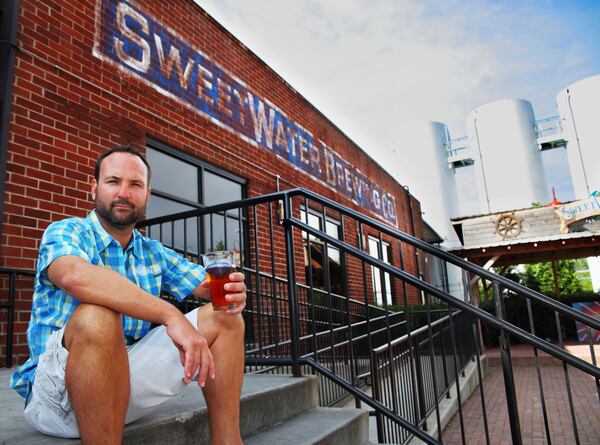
(266, 400)
(322, 426)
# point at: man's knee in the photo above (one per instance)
(92, 324)
(214, 323)
(232, 323)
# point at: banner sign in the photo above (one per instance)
(576, 211)
(138, 44)
(591, 308)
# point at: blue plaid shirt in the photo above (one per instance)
(145, 262)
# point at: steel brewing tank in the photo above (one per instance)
(508, 164)
(423, 167)
(579, 108)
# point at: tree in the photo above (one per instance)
(539, 277)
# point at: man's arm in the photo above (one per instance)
(104, 287)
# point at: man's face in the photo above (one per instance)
(122, 191)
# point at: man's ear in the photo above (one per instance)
(94, 188)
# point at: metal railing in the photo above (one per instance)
(550, 126)
(458, 149)
(435, 371)
(296, 323)
(12, 282)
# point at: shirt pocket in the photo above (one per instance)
(149, 278)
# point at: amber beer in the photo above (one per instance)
(218, 266)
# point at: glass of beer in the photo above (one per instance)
(218, 266)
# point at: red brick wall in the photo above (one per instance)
(69, 106)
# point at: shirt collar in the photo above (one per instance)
(104, 239)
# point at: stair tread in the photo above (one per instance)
(313, 427)
(179, 410)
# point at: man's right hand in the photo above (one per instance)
(194, 352)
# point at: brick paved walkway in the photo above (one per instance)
(587, 409)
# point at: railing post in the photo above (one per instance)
(291, 277)
(10, 320)
(509, 380)
(420, 390)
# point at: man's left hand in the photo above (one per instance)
(236, 292)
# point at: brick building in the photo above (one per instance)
(210, 115)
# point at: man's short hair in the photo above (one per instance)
(121, 149)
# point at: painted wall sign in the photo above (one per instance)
(140, 45)
(576, 211)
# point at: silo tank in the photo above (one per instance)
(508, 163)
(579, 108)
(423, 166)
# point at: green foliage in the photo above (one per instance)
(539, 277)
(586, 283)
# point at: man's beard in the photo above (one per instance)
(119, 218)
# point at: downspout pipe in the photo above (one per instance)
(9, 17)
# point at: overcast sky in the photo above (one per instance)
(370, 64)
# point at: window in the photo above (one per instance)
(317, 247)
(180, 183)
(386, 255)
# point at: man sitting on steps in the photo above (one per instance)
(94, 363)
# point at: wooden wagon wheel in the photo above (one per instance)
(508, 225)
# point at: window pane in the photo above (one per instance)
(170, 175)
(377, 285)
(234, 237)
(214, 239)
(314, 221)
(332, 229)
(316, 249)
(218, 190)
(335, 271)
(374, 247)
(334, 255)
(386, 253)
(376, 273)
(316, 264)
(218, 242)
(160, 207)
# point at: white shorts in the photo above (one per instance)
(156, 375)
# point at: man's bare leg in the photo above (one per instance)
(97, 373)
(225, 335)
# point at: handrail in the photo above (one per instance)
(415, 332)
(451, 258)
(467, 307)
(378, 406)
(246, 202)
(26, 272)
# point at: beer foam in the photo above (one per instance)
(219, 264)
